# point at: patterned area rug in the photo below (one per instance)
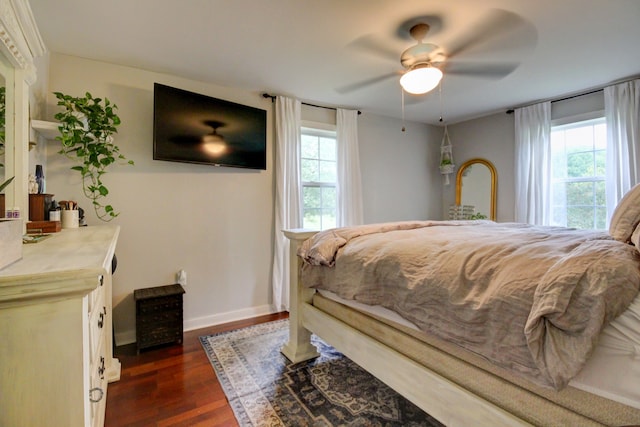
(265, 389)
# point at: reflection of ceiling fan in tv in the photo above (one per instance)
(214, 143)
(424, 64)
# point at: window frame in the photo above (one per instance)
(319, 130)
(576, 121)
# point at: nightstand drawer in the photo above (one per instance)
(159, 305)
(160, 334)
(168, 316)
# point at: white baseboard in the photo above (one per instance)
(129, 336)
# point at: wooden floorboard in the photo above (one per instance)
(172, 385)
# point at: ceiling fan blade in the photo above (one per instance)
(364, 83)
(480, 69)
(501, 29)
(374, 46)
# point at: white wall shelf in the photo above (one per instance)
(48, 130)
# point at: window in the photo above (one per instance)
(578, 157)
(319, 178)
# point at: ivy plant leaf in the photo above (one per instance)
(86, 128)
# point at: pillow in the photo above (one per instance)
(626, 215)
(635, 237)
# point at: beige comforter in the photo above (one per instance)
(530, 299)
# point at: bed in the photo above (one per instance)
(576, 352)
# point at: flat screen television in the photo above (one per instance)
(194, 128)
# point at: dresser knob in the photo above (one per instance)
(100, 395)
(101, 280)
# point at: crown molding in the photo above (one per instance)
(20, 40)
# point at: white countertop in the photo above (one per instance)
(67, 263)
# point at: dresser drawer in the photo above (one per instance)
(97, 324)
(95, 294)
(97, 392)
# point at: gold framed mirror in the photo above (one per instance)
(476, 183)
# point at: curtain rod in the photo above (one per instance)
(577, 95)
(273, 98)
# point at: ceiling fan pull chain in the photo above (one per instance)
(402, 97)
(441, 107)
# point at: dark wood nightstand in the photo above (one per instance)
(158, 315)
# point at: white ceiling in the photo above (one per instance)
(311, 49)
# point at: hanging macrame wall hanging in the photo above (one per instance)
(446, 156)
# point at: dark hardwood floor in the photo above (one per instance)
(172, 385)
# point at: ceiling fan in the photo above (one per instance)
(424, 64)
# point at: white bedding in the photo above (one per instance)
(613, 371)
(531, 299)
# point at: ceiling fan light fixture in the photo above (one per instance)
(421, 79)
(214, 144)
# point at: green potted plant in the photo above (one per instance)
(86, 128)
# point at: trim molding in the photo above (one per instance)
(20, 39)
(129, 336)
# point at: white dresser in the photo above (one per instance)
(56, 352)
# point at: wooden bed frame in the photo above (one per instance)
(436, 395)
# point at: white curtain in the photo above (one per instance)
(288, 207)
(349, 196)
(532, 163)
(622, 113)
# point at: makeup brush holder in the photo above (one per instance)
(70, 218)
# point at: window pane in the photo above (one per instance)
(559, 193)
(327, 172)
(580, 193)
(558, 155)
(329, 198)
(311, 197)
(580, 164)
(579, 139)
(309, 146)
(600, 193)
(580, 217)
(328, 149)
(319, 179)
(601, 159)
(559, 216)
(601, 218)
(309, 170)
(600, 136)
(311, 219)
(329, 219)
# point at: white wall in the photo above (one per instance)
(216, 223)
(400, 175)
(492, 138)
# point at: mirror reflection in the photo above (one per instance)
(476, 186)
(3, 90)
(3, 104)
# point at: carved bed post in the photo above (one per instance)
(299, 347)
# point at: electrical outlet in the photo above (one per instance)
(181, 277)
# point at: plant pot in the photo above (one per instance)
(10, 241)
(447, 168)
